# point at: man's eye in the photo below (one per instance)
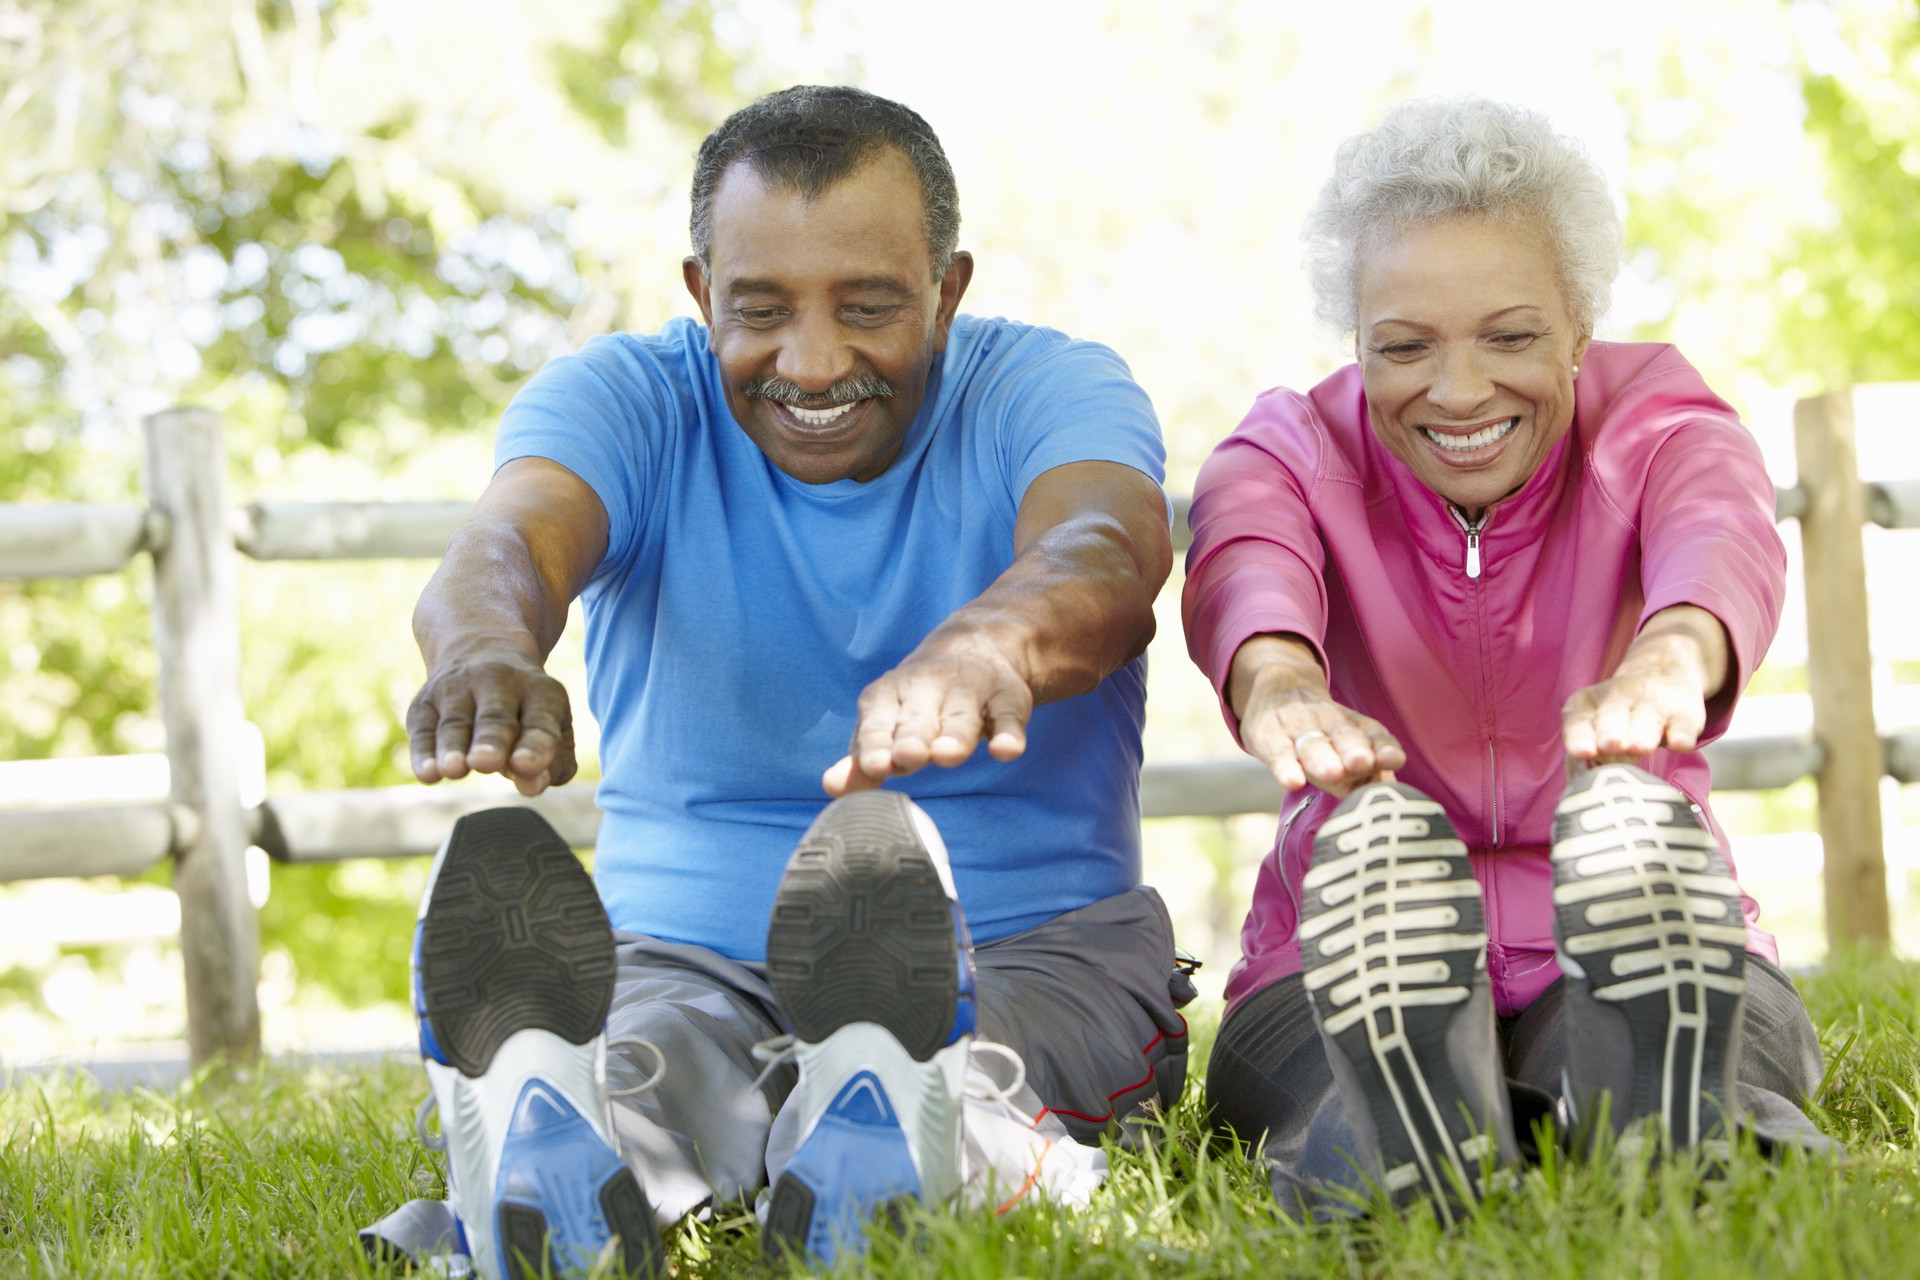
(869, 314)
(757, 315)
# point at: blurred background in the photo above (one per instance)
(354, 227)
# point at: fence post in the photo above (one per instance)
(1839, 670)
(197, 634)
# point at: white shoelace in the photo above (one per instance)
(777, 1051)
(430, 1106)
(659, 1066)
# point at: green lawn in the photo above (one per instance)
(271, 1174)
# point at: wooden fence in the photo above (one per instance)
(192, 534)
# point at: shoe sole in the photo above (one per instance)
(1648, 910)
(1393, 938)
(514, 937)
(863, 930)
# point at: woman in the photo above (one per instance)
(1490, 556)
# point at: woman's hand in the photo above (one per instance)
(1658, 696)
(1290, 723)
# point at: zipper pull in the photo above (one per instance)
(1473, 553)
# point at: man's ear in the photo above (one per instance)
(696, 277)
(953, 286)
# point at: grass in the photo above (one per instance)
(270, 1174)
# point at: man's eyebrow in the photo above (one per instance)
(884, 284)
(751, 284)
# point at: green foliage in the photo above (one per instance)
(320, 221)
(1858, 319)
(1796, 258)
(269, 1175)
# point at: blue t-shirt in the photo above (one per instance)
(739, 613)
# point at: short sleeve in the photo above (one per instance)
(1060, 400)
(604, 414)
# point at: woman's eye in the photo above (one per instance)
(1513, 341)
(1402, 350)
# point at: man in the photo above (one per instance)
(835, 535)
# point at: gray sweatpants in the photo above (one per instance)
(1088, 1000)
(1268, 1075)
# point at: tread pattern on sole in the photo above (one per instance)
(1393, 940)
(514, 937)
(789, 1219)
(863, 930)
(1649, 912)
(524, 1250)
(628, 1216)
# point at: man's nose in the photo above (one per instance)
(814, 354)
(1461, 383)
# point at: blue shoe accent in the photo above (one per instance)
(964, 1012)
(855, 1160)
(553, 1171)
(429, 1045)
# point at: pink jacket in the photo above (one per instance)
(1304, 523)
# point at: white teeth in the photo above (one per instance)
(819, 417)
(1478, 440)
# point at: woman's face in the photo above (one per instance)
(1468, 353)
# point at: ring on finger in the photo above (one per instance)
(1311, 735)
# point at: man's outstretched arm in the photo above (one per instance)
(487, 621)
(1090, 553)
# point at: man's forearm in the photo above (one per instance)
(1076, 605)
(488, 596)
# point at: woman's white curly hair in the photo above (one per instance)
(1432, 158)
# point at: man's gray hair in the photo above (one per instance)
(1433, 158)
(810, 137)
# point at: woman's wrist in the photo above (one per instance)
(1272, 663)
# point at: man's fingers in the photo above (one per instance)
(545, 744)
(844, 776)
(960, 727)
(1008, 710)
(496, 726)
(423, 723)
(454, 733)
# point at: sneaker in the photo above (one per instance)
(1648, 926)
(1393, 943)
(868, 955)
(513, 968)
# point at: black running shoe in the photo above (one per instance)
(1653, 943)
(868, 955)
(1393, 944)
(513, 970)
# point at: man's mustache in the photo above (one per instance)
(862, 386)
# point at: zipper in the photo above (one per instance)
(1472, 530)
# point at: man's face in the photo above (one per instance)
(825, 315)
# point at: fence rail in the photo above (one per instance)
(193, 535)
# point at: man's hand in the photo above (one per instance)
(1090, 551)
(935, 707)
(493, 715)
(486, 622)
(1658, 696)
(1291, 724)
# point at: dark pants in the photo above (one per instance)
(1268, 1079)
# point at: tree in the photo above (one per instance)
(1787, 247)
(353, 229)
